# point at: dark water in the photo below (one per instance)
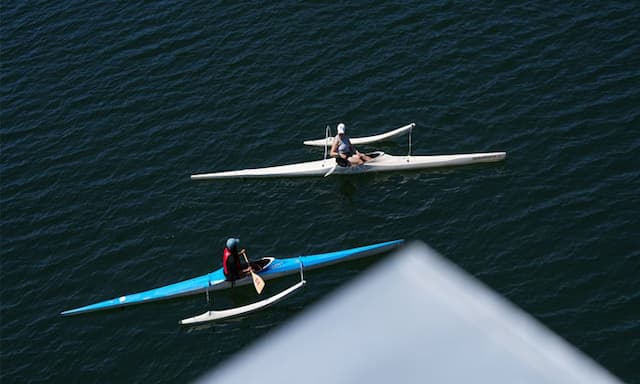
(107, 108)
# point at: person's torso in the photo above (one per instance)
(230, 259)
(345, 144)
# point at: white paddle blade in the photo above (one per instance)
(331, 170)
(257, 282)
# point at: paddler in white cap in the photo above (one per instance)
(344, 152)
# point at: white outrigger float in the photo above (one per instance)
(327, 141)
(212, 315)
(381, 162)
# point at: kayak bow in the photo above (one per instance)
(216, 281)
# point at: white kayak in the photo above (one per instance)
(381, 162)
(364, 140)
(239, 311)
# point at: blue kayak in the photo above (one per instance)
(267, 268)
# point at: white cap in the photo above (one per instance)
(340, 128)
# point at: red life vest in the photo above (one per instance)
(231, 268)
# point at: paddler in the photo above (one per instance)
(233, 267)
(344, 152)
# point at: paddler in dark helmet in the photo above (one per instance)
(344, 152)
(232, 265)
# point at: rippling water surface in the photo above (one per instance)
(107, 108)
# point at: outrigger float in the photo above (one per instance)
(328, 140)
(240, 311)
(267, 268)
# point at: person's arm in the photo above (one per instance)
(225, 267)
(334, 147)
(243, 260)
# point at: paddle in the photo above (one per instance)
(258, 283)
(331, 170)
(326, 148)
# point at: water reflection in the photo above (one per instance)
(347, 188)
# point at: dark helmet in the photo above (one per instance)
(233, 243)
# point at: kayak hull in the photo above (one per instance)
(216, 280)
(382, 163)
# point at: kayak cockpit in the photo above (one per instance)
(261, 264)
